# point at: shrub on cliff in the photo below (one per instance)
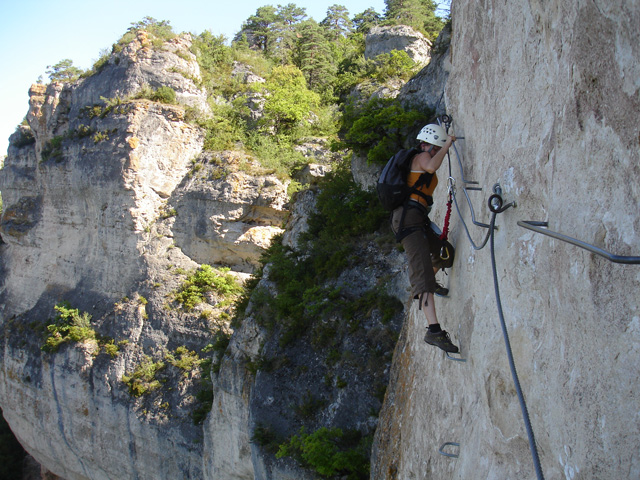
(330, 452)
(69, 326)
(63, 71)
(378, 128)
(162, 94)
(143, 378)
(159, 32)
(203, 281)
(344, 213)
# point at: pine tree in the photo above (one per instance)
(433, 23)
(366, 20)
(419, 14)
(63, 71)
(291, 14)
(337, 21)
(288, 17)
(314, 57)
(258, 27)
(406, 12)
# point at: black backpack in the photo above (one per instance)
(392, 184)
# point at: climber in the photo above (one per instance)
(414, 230)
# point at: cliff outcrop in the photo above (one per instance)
(99, 194)
(426, 88)
(399, 37)
(548, 112)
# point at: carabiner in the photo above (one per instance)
(451, 185)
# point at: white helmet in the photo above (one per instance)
(433, 134)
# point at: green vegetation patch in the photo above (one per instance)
(53, 149)
(143, 378)
(330, 452)
(379, 127)
(162, 94)
(344, 214)
(159, 31)
(69, 326)
(204, 280)
(184, 359)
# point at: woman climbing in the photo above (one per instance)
(413, 228)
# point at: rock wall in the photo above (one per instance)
(399, 37)
(546, 95)
(99, 194)
(426, 89)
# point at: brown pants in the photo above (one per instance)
(422, 247)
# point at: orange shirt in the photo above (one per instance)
(427, 189)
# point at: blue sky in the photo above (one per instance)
(38, 33)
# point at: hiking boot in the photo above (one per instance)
(441, 291)
(440, 340)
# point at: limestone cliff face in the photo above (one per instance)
(550, 112)
(399, 37)
(99, 196)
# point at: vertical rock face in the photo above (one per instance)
(426, 89)
(97, 191)
(549, 111)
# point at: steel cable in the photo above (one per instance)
(512, 365)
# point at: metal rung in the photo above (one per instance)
(455, 359)
(452, 455)
(473, 188)
(538, 227)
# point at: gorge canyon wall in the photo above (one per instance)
(124, 201)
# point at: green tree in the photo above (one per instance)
(378, 128)
(211, 50)
(258, 27)
(289, 100)
(366, 20)
(419, 14)
(63, 71)
(327, 452)
(315, 57)
(433, 24)
(395, 64)
(159, 32)
(284, 32)
(159, 28)
(291, 14)
(337, 21)
(214, 58)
